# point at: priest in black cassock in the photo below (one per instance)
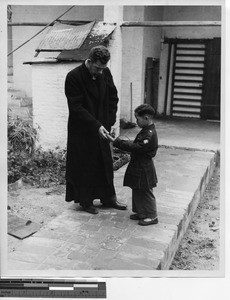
(92, 102)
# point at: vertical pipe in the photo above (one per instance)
(167, 79)
(131, 101)
(173, 77)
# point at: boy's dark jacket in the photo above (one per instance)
(140, 173)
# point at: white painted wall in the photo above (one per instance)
(132, 69)
(114, 14)
(37, 13)
(138, 44)
(50, 108)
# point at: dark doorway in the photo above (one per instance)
(211, 96)
(152, 81)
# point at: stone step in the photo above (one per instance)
(26, 102)
(10, 78)
(10, 85)
(10, 81)
(9, 70)
(22, 112)
(15, 93)
(20, 102)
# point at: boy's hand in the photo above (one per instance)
(116, 142)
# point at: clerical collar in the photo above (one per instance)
(86, 64)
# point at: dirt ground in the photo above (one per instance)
(199, 249)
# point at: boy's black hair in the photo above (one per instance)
(100, 53)
(145, 109)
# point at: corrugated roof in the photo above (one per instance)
(65, 37)
(97, 36)
(73, 45)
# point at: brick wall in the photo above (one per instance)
(49, 103)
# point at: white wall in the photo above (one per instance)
(132, 72)
(138, 44)
(50, 108)
(34, 13)
(114, 14)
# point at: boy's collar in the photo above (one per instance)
(149, 126)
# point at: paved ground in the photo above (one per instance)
(76, 240)
(190, 133)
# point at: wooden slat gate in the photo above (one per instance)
(190, 69)
(187, 79)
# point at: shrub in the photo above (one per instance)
(41, 169)
(22, 135)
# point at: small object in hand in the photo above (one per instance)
(113, 132)
(110, 138)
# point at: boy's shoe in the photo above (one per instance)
(90, 209)
(134, 217)
(146, 223)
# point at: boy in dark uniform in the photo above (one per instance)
(141, 175)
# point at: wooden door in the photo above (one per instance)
(211, 96)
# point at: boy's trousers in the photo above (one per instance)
(144, 203)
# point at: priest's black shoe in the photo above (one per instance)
(90, 209)
(115, 204)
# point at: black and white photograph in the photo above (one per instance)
(115, 160)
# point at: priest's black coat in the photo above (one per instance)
(91, 103)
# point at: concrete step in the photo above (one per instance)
(10, 82)
(10, 85)
(15, 94)
(10, 78)
(26, 102)
(10, 70)
(23, 112)
(76, 240)
(17, 99)
(20, 102)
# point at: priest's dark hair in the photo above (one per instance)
(100, 53)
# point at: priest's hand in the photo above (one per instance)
(103, 133)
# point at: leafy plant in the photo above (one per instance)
(22, 135)
(42, 169)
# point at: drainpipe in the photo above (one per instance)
(167, 79)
